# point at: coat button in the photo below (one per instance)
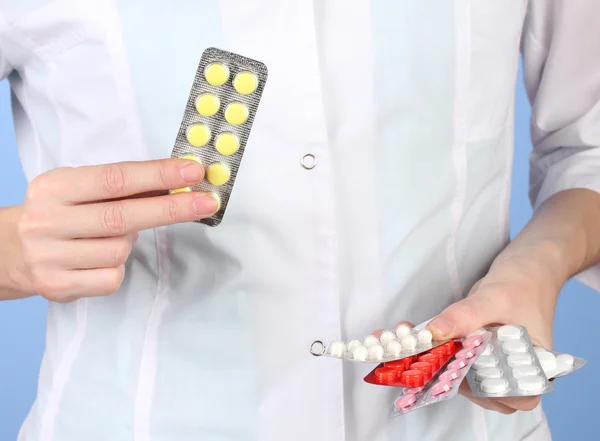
(308, 161)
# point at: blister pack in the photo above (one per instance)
(557, 365)
(217, 120)
(416, 371)
(399, 344)
(508, 367)
(444, 385)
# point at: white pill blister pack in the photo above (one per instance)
(445, 384)
(400, 343)
(557, 365)
(508, 367)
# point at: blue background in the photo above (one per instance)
(569, 408)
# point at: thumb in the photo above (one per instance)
(462, 318)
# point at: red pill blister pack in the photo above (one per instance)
(415, 371)
(445, 383)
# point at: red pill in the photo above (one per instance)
(423, 367)
(398, 365)
(433, 359)
(407, 362)
(449, 346)
(386, 375)
(441, 351)
(413, 378)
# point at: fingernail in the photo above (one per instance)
(441, 326)
(192, 173)
(206, 204)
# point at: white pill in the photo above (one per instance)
(393, 348)
(360, 353)
(489, 349)
(371, 340)
(519, 360)
(402, 331)
(409, 342)
(530, 383)
(353, 344)
(424, 337)
(547, 360)
(509, 332)
(539, 349)
(490, 372)
(524, 371)
(494, 385)
(386, 337)
(565, 360)
(514, 347)
(479, 331)
(485, 361)
(375, 352)
(337, 348)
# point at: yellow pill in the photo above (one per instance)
(207, 104)
(245, 83)
(227, 143)
(192, 158)
(236, 114)
(216, 74)
(218, 199)
(218, 174)
(181, 190)
(198, 135)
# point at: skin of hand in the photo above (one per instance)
(523, 283)
(74, 232)
(511, 293)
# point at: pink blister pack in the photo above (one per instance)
(446, 382)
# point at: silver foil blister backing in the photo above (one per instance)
(217, 123)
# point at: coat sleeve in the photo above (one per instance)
(5, 67)
(561, 65)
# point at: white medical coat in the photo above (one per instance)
(407, 107)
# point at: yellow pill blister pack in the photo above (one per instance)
(217, 121)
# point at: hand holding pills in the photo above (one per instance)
(78, 225)
(510, 293)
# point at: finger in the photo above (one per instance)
(461, 318)
(68, 286)
(520, 403)
(123, 179)
(492, 404)
(108, 219)
(105, 252)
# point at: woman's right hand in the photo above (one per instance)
(78, 225)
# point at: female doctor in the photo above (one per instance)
(374, 188)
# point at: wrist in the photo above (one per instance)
(542, 263)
